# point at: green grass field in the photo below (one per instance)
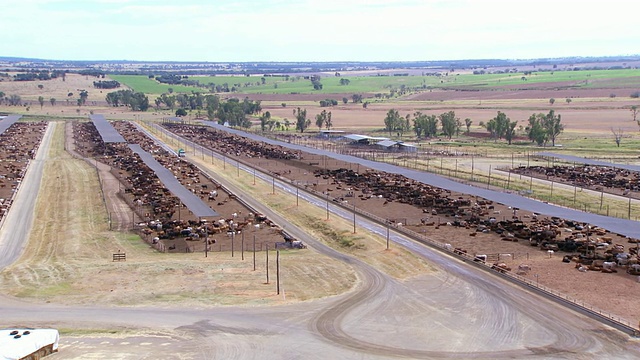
(582, 78)
(628, 78)
(142, 83)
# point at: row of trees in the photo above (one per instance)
(423, 125)
(267, 123)
(106, 84)
(541, 128)
(233, 111)
(136, 101)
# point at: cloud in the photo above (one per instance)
(307, 30)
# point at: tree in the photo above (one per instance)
(320, 119)
(265, 120)
(535, 130)
(302, 123)
(169, 100)
(83, 97)
(498, 126)
(345, 100)
(405, 124)
(553, 127)
(568, 100)
(458, 126)
(356, 98)
(617, 135)
(552, 101)
(181, 112)
(467, 123)
(510, 132)
(328, 122)
(40, 86)
(14, 100)
(52, 101)
(423, 124)
(391, 121)
(41, 101)
(419, 123)
(634, 112)
(448, 122)
(344, 81)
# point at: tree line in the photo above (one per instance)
(541, 128)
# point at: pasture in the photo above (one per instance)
(331, 84)
(142, 83)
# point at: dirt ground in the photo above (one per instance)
(585, 114)
(546, 269)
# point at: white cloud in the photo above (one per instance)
(315, 29)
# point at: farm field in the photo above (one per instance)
(331, 84)
(142, 83)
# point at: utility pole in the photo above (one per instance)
(388, 234)
(267, 251)
(354, 216)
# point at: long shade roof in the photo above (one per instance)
(191, 201)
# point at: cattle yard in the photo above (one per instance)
(554, 252)
(160, 217)
(19, 144)
(597, 178)
(551, 251)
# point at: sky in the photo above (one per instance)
(316, 30)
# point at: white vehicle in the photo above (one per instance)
(20, 343)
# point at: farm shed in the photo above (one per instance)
(363, 139)
(330, 133)
(396, 146)
(21, 343)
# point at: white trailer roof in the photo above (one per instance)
(18, 343)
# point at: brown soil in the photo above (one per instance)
(547, 269)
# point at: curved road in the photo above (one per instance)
(458, 312)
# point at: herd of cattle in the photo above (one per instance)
(231, 145)
(586, 245)
(18, 145)
(591, 177)
(166, 222)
